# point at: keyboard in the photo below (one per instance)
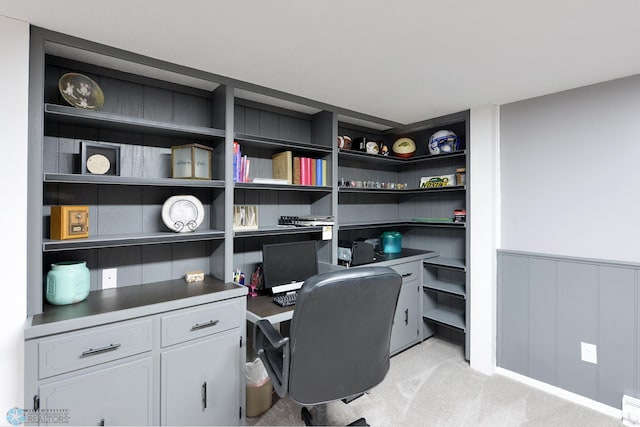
(285, 300)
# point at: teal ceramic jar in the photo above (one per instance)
(67, 282)
(391, 242)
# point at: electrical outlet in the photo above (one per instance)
(589, 353)
(109, 278)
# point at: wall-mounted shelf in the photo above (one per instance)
(377, 158)
(130, 180)
(449, 318)
(457, 289)
(79, 117)
(112, 241)
(411, 191)
(446, 262)
(282, 187)
(279, 144)
(276, 231)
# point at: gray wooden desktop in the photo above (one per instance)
(263, 307)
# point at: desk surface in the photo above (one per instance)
(262, 307)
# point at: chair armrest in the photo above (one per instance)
(273, 349)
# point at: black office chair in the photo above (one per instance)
(339, 339)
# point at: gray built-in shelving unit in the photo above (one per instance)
(151, 105)
(367, 212)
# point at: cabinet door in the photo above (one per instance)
(405, 322)
(200, 382)
(120, 395)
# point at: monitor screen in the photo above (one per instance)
(283, 263)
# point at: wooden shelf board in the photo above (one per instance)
(451, 188)
(281, 187)
(445, 262)
(116, 121)
(446, 317)
(130, 180)
(456, 289)
(391, 159)
(129, 240)
(276, 230)
(277, 143)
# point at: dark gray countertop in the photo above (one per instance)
(127, 302)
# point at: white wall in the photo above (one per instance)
(14, 73)
(570, 172)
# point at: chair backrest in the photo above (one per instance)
(340, 333)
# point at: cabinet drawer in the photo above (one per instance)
(408, 271)
(76, 350)
(189, 324)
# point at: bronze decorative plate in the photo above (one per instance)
(80, 91)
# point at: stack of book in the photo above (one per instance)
(299, 170)
(240, 164)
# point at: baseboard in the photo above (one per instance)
(564, 394)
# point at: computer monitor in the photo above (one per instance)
(285, 266)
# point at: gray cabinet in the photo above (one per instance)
(118, 395)
(171, 366)
(196, 382)
(406, 330)
(406, 326)
(407, 320)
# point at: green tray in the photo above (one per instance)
(432, 219)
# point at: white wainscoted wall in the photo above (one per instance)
(570, 241)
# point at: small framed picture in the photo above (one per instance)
(245, 217)
(99, 159)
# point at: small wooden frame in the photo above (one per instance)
(245, 217)
(99, 159)
(191, 161)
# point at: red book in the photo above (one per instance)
(305, 171)
(309, 171)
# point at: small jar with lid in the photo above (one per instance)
(461, 178)
(68, 282)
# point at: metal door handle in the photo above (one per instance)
(406, 316)
(94, 351)
(209, 324)
(204, 395)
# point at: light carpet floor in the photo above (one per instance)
(431, 384)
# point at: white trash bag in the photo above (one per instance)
(256, 373)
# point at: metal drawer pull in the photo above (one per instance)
(94, 351)
(204, 395)
(406, 316)
(209, 324)
(407, 275)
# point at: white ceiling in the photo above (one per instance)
(402, 60)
